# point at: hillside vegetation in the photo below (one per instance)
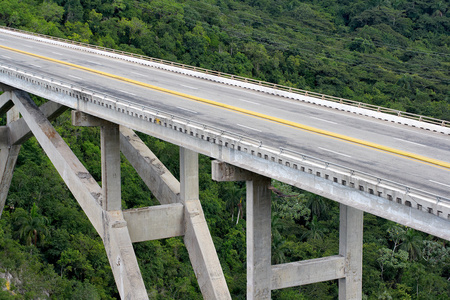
(391, 53)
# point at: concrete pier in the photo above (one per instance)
(350, 247)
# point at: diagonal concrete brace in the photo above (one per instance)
(110, 225)
(163, 185)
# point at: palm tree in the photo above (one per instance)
(234, 195)
(31, 226)
(317, 205)
(316, 230)
(411, 243)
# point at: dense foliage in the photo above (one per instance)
(392, 53)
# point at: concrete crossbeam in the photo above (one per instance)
(163, 185)
(221, 171)
(82, 119)
(307, 272)
(197, 239)
(109, 224)
(155, 222)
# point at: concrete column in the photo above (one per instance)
(197, 239)
(8, 159)
(350, 247)
(259, 238)
(110, 150)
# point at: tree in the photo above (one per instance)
(32, 227)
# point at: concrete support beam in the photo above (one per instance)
(5, 102)
(259, 240)
(307, 272)
(221, 171)
(163, 185)
(19, 131)
(4, 137)
(350, 247)
(155, 222)
(109, 224)
(110, 151)
(8, 154)
(197, 238)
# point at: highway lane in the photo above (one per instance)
(384, 165)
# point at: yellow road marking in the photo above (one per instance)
(246, 111)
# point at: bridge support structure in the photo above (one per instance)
(262, 277)
(180, 215)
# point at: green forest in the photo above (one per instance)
(394, 53)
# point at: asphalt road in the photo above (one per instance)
(413, 173)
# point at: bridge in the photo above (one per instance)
(369, 159)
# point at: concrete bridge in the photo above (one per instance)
(369, 159)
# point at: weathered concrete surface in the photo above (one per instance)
(110, 225)
(307, 272)
(155, 222)
(110, 151)
(5, 101)
(351, 248)
(221, 171)
(80, 118)
(259, 238)
(197, 239)
(4, 137)
(163, 185)
(8, 154)
(122, 257)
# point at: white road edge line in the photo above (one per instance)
(37, 66)
(249, 101)
(189, 87)
(323, 120)
(410, 142)
(324, 149)
(75, 77)
(127, 92)
(192, 111)
(6, 56)
(56, 53)
(249, 127)
(437, 182)
(137, 73)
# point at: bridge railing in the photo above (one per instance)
(285, 158)
(339, 100)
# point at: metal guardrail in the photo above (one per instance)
(339, 100)
(290, 158)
